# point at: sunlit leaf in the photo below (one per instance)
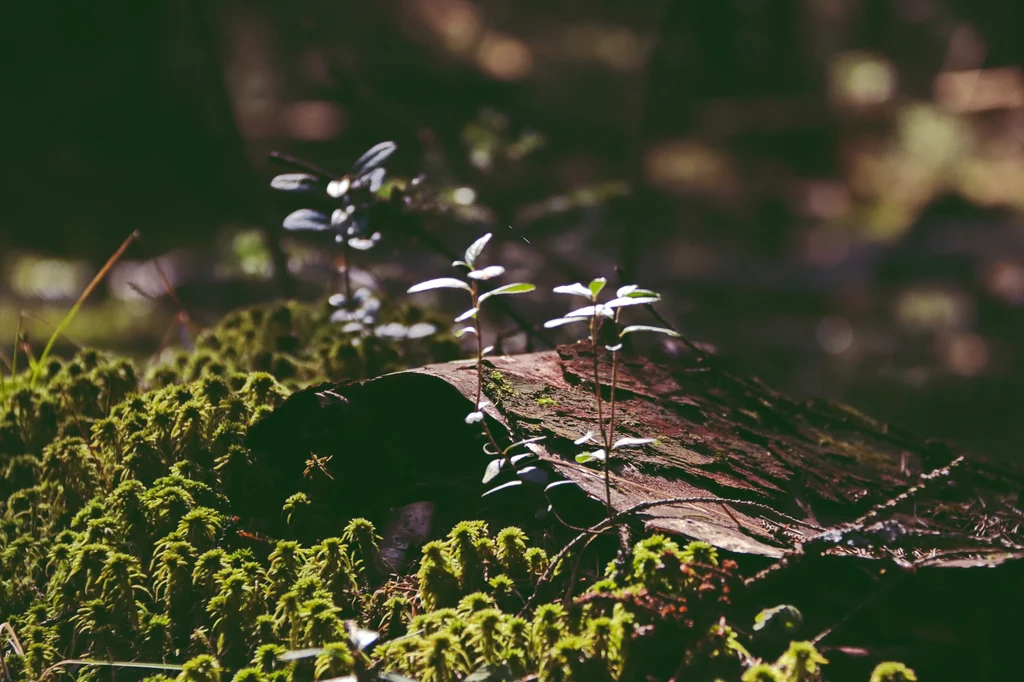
(614, 349)
(338, 188)
(633, 291)
(516, 288)
(373, 157)
(645, 328)
(486, 350)
(490, 272)
(588, 436)
(476, 248)
(590, 311)
(492, 470)
(559, 484)
(518, 459)
(457, 263)
(362, 637)
(439, 283)
(377, 179)
(474, 417)
(590, 456)
(392, 330)
(596, 285)
(525, 441)
(360, 244)
(631, 300)
(575, 289)
(297, 182)
(299, 654)
(559, 321)
(307, 220)
(464, 330)
(510, 484)
(631, 442)
(533, 475)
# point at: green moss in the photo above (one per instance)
(546, 402)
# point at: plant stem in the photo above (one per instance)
(344, 271)
(600, 412)
(475, 303)
(611, 423)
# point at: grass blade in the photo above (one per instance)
(78, 305)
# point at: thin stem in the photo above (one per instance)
(600, 411)
(611, 424)
(475, 303)
(345, 275)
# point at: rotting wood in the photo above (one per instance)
(796, 471)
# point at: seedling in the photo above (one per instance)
(594, 313)
(353, 195)
(471, 284)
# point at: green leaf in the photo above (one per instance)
(467, 315)
(464, 330)
(631, 442)
(576, 289)
(490, 272)
(439, 283)
(517, 288)
(492, 470)
(476, 248)
(633, 291)
(558, 322)
(590, 456)
(596, 286)
(645, 328)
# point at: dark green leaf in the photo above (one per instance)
(517, 288)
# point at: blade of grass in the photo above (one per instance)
(78, 304)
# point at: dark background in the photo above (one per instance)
(828, 191)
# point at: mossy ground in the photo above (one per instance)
(121, 542)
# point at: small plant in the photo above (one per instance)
(352, 194)
(595, 314)
(474, 276)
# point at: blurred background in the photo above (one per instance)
(829, 192)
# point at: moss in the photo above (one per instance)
(547, 402)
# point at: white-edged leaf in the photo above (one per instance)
(492, 470)
(614, 349)
(631, 442)
(476, 248)
(517, 459)
(590, 311)
(515, 288)
(457, 263)
(307, 220)
(559, 484)
(299, 654)
(490, 450)
(525, 441)
(591, 456)
(467, 315)
(373, 157)
(486, 350)
(361, 244)
(297, 182)
(474, 417)
(631, 300)
(484, 402)
(633, 291)
(510, 484)
(588, 436)
(596, 285)
(533, 475)
(439, 283)
(558, 322)
(490, 272)
(575, 289)
(645, 328)
(465, 330)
